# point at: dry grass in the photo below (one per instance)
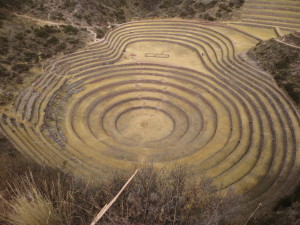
(47, 197)
(50, 197)
(31, 203)
(31, 208)
(35, 195)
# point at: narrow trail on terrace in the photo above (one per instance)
(288, 44)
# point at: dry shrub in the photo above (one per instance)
(162, 197)
(51, 197)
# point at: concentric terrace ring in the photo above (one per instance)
(111, 107)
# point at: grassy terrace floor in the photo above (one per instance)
(164, 92)
(266, 15)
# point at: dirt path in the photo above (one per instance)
(285, 43)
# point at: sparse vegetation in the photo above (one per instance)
(32, 194)
(68, 29)
(101, 32)
(40, 195)
(282, 61)
(24, 44)
(101, 13)
(189, 9)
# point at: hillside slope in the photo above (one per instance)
(25, 45)
(281, 58)
(101, 12)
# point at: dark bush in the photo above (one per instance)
(294, 91)
(78, 15)
(12, 4)
(199, 6)
(121, 3)
(3, 72)
(208, 16)
(73, 41)
(18, 80)
(52, 40)
(88, 19)
(219, 14)
(31, 56)
(120, 15)
(57, 16)
(183, 14)
(20, 67)
(169, 3)
(61, 47)
(3, 40)
(101, 32)
(283, 63)
(19, 36)
(4, 45)
(41, 8)
(46, 55)
(68, 29)
(223, 6)
(45, 31)
(69, 4)
(41, 33)
(149, 5)
(4, 14)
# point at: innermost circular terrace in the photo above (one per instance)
(145, 125)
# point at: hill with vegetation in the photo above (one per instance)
(25, 46)
(101, 12)
(281, 58)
